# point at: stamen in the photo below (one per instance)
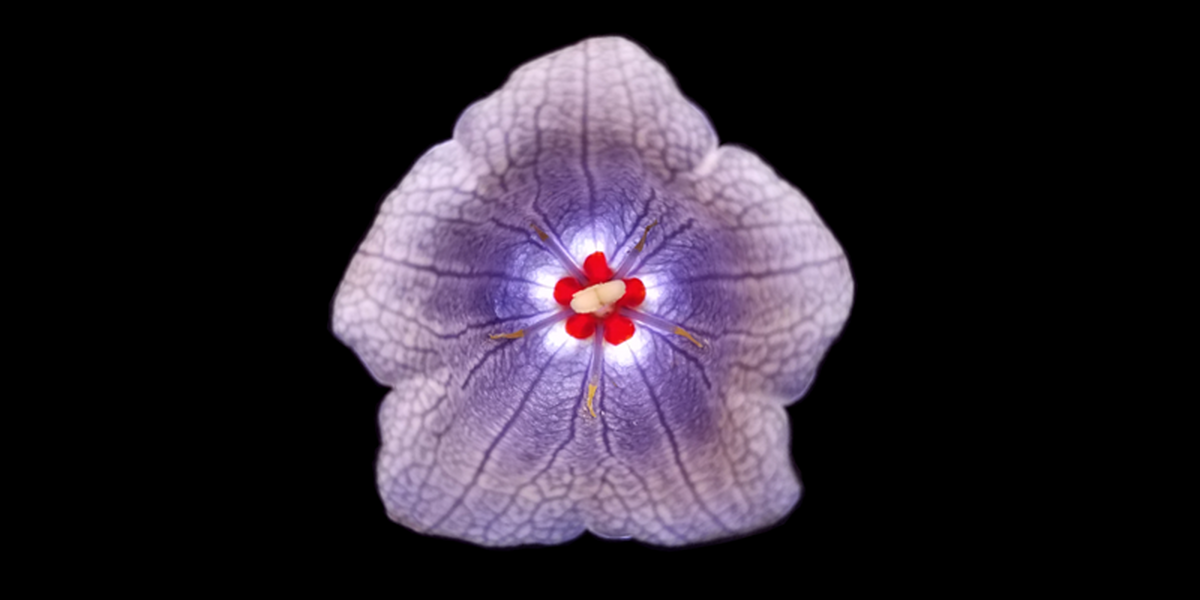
(556, 248)
(520, 333)
(662, 325)
(627, 262)
(597, 370)
(680, 331)
(642, 242)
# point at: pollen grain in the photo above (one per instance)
(520, 333)
(680, 331)
(642, 242)
(591, 394)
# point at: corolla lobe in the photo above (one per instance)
(659, 414)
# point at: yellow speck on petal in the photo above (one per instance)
(591, 394)
(541, 234)
(642, 243)
(508, 336)
(680, 331)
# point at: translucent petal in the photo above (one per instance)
(492, 440)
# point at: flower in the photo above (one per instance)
(536, 395)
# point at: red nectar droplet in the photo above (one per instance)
(617, 329)
(581, 326)
(635, 293)
(595, 266)
(565, 289)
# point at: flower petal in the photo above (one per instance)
(601, 96)
(492, 440)
(755, 271)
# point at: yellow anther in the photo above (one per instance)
(508, 336)
(642, 243)
(541, 234)
(591, 394)
(680, 331)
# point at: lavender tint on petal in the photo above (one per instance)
(491, 441)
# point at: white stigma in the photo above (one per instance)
(598, 298)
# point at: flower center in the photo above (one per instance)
(596, 301)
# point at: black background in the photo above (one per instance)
(872, 121)
(211, 172)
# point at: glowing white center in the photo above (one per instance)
(599, 298)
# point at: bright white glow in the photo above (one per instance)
(547, 277)
(622, 355)
(556, 336)
(584, 245)
(654, 290)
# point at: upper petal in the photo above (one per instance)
(602, 95)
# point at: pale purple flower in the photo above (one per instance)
(503, 429)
